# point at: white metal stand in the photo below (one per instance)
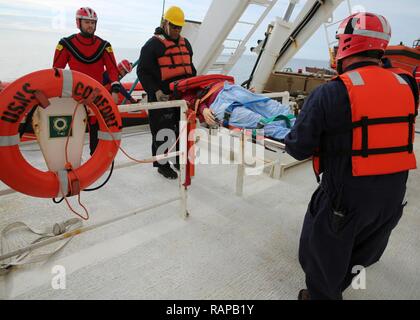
(183, 138)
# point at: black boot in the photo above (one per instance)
(167, 172)
(304, 295)
(176, 166)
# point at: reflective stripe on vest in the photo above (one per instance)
(399, 71)
(176, 60)
(383, 114)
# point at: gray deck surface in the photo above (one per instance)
(229, 248)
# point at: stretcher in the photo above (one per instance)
(273, 160)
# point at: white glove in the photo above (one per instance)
(115, 97)
(160, 96)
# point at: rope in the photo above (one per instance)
(153, 159)
(60, 232)
(106, 180)
(58, 201)
(246, 83)
(22, 258)
(69, 167)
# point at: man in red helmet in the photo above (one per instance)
(359, 129)
(85, 52)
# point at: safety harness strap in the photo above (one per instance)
(286, 118)
(173, 66)
(210, 91)
(373, 121)
(377, 151)
(365, 132)
(176, 46)
(228, 112)
(364, 124)
(234, 105)
(176, 54)
(361, 152)
(411, 122)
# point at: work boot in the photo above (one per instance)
(167, 172)
(304, 295)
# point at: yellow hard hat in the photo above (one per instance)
(175, 15)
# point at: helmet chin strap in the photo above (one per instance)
(167, 29)
(340, 66)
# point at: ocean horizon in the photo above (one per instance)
(35, 51)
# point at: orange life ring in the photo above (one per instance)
(36, 88)
(3, 85)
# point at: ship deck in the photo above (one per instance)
(229, 247)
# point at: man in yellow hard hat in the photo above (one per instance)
(166, 57)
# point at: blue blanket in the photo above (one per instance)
(247, 109)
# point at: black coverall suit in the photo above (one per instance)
(149, 74)
(369, 207)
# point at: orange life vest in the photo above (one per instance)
(176, 60)
(198, 82)
(399, 71)
(417, 75)
(383, 116)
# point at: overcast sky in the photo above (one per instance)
(129, 23)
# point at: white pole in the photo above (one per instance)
(183, 154)
(282, 32)
(241, 167)
(219, 21)
(270, 54)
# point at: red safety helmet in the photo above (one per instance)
(361, 32)
(125, 65)
(85, 13)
